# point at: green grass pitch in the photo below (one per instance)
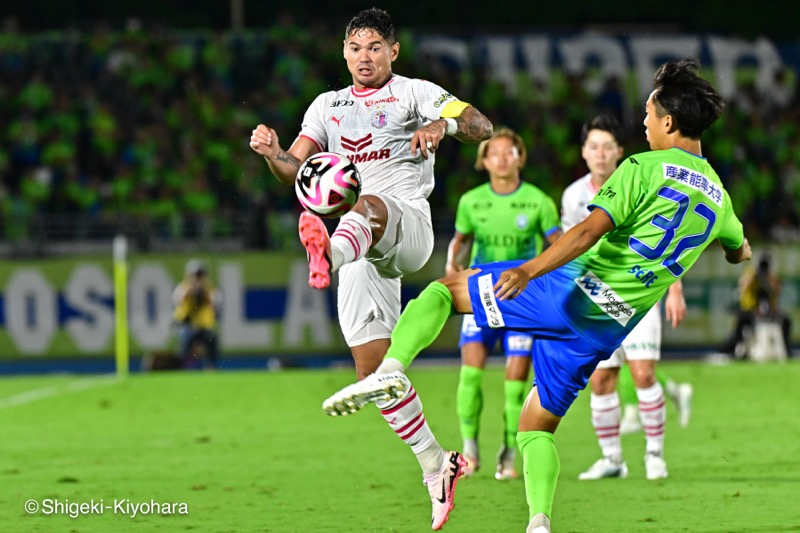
(252, 451)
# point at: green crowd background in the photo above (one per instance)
(150, 125)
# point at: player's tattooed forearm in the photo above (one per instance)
(285, 157)
(473, 126)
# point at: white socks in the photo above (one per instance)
(606, 417)
(351, 240)
(653, 414)
(406, 419)
(389, 365)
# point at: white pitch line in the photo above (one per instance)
(56, 390)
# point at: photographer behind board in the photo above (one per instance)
(195, 315)
(759, 290)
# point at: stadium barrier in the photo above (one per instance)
(64, 308)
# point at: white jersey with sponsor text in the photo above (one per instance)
(373, 127)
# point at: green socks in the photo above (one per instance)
(541, 467)
(627, 390)
(515, 392)
(420, 323)
(469, 401)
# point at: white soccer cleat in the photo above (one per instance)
(442, 487)
(655, 466)
(538, 524)
(684, 403)
(605, 467)
(375, 387)
(505, 464)
(630, 422)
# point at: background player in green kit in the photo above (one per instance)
(500, 220)
(582, 296)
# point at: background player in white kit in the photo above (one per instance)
(602, 150)
(390, 126)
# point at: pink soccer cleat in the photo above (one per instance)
(314, 237)
(442, 487)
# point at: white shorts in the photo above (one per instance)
(369, 289)
(643, 342)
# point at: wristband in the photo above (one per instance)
(452, 126)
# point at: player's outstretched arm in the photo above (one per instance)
(572, 244)
(472, 126)
(283, 164)
(743, 253)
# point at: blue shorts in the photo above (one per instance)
(515, 343)
(563, 359)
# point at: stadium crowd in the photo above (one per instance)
(152, 124)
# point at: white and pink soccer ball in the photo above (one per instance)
(328, 184)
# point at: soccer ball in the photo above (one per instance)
(328, 184)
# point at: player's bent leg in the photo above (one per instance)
(679, 394)
(515, 389)
(441, 469)
(652, 412)
(605, 406)
(373, 388)
(314, 238)
(425, 316)
(630, 422)
(540, 523)
(630, 402)
(374, 210)
(442, 487)
(541, 464)
(469, 400)
(418, 327)
(684, 403)
(368, 356)
(351, 240)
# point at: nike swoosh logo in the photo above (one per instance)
(443, 497)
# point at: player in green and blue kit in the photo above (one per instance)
(500, 220)
(582, 296)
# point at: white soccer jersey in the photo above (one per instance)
(575, 200)
(373, 127)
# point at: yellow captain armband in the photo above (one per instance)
(454, 109)
(450, 111)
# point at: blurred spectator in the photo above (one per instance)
(196, 304)
(149, 121)
(759, 289)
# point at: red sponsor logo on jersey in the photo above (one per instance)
(387, 100)
(372, 155)
(356, 145)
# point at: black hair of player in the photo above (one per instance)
(692, 101)
(603, 122)
(374, 19)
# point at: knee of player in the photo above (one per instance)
(644, 376)
(373, 209)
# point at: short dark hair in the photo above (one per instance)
(374, 19)
(604, 122)
(681, 92)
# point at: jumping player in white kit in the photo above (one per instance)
(390, 127)
(602, 150)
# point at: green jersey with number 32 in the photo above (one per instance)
(666, 206)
